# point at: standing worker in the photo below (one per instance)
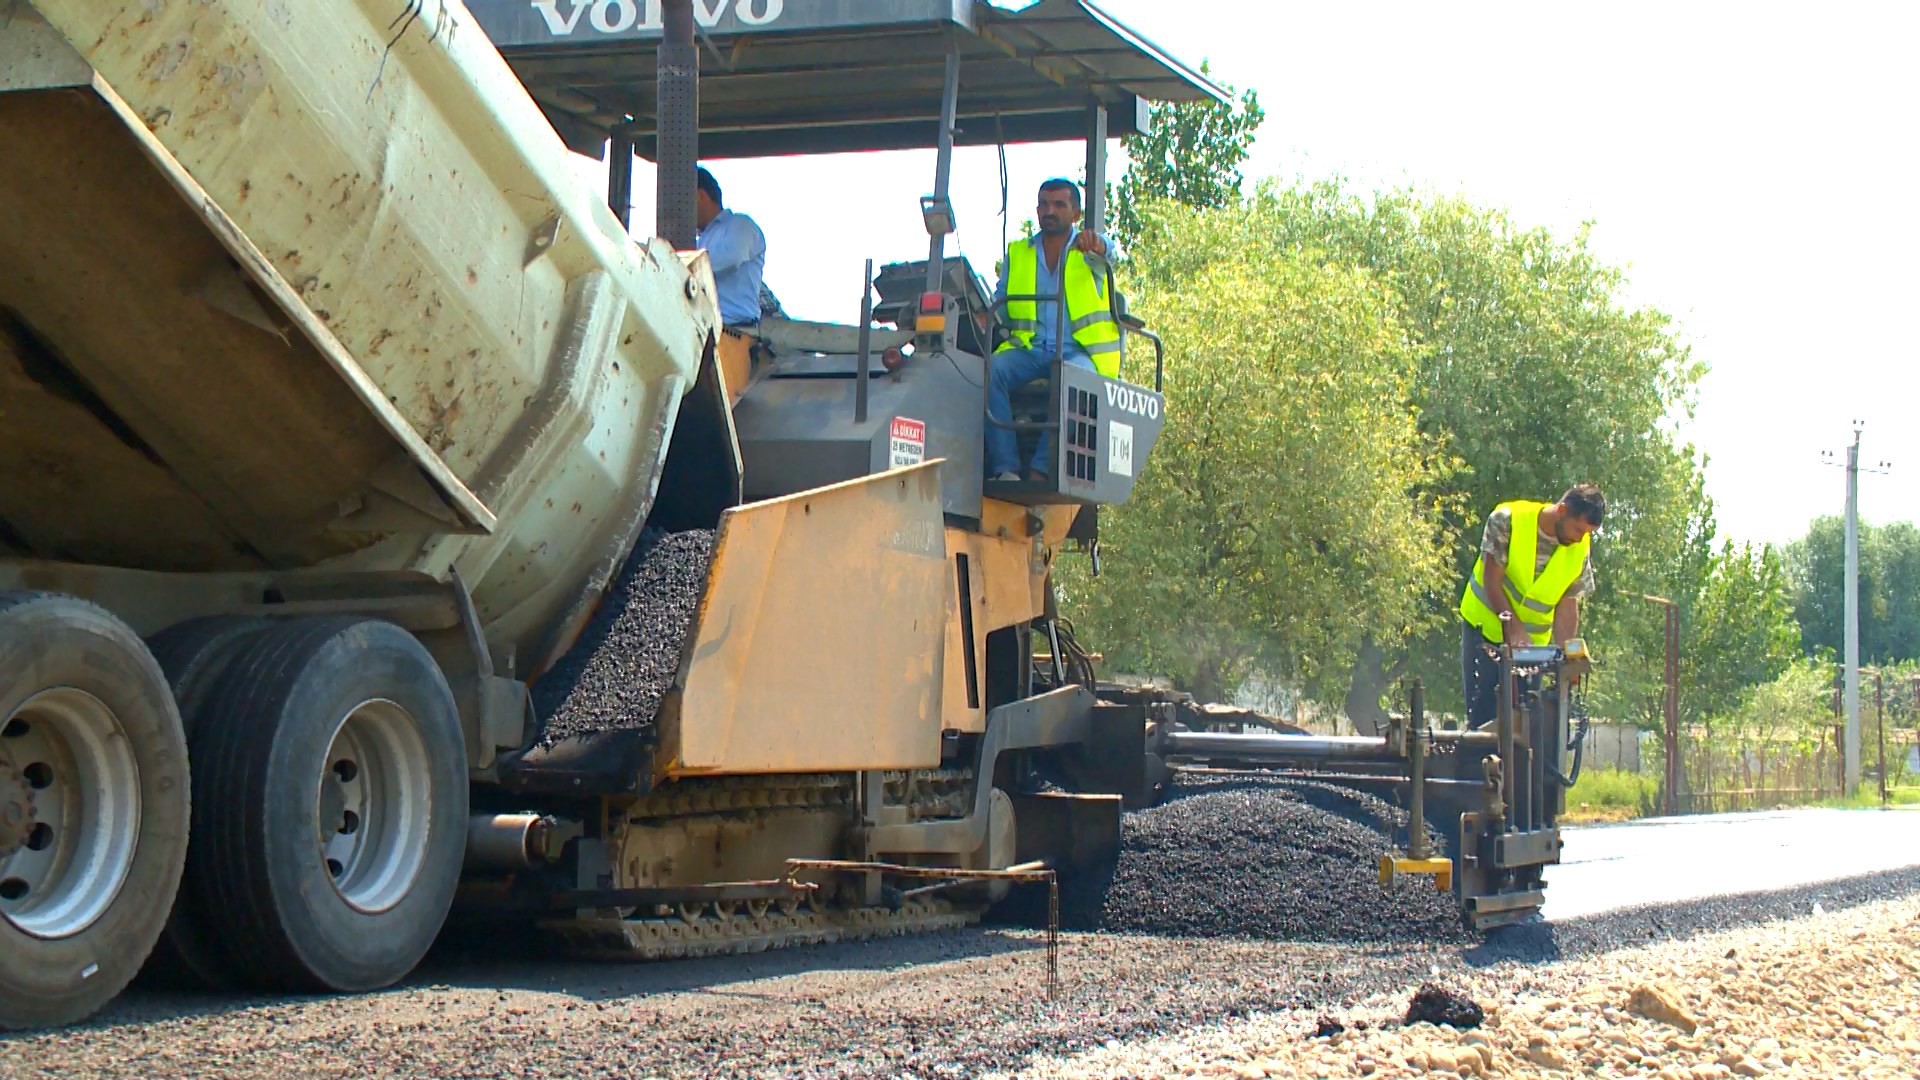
(735, 248)
(1034, 267)
(1535, 564)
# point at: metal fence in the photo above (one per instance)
(1722, 771)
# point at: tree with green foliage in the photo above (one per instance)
(1277, 521)
(1525, 373)
(1791, 711)
(1191, 153)
(1740, 631)
(1534, 374)
(1672, 557)
(1889, 589)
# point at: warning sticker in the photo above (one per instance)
(1119, 448)
(907, 441)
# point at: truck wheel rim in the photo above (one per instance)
(374, 806)
(70, 759)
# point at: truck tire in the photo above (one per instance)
(331, 812)
(94, 807)
(192, 655)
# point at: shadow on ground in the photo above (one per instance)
(508, 958)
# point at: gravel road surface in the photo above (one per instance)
(964, 1003)
(1815, 997)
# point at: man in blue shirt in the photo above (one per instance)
(1059, 218)
(737, 251)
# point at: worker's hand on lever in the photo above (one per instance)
(1515, 633)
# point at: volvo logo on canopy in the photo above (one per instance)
(536, 22)
(564, 17)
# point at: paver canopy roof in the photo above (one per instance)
(822, 76)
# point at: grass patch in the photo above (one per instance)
(1868, 798)
(1598, 815)
(1611, 795)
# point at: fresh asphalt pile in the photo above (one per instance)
(1437, 1004)
(615, 676)
(1269, 859)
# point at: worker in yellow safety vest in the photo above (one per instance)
(1062, 259)
(1535, 564)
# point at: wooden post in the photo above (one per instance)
(1880, 726)
(1673, 702)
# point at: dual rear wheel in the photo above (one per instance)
(93, 807)
(330, 806)
(326, 803)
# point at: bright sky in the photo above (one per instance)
(1752, 167)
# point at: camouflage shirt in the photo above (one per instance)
(1493, 542)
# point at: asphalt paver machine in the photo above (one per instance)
(337, 413)
(823, 403)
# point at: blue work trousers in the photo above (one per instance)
(1012, 369)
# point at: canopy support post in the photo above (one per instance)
(1096, 209)
(943, 166)
(620, 178)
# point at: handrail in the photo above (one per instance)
(1120, 320)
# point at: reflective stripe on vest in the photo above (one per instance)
(1532, 599)
(1089, 312)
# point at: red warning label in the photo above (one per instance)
(908, 440)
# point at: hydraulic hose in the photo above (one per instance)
(1577, 708)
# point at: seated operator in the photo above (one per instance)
(737, 251)
(1034, 267)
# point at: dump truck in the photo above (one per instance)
(341, 422)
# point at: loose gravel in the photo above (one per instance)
(1269, 859)
(1813, 997)
(959, 1004)
(615, 676)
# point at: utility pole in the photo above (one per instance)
(1852, 691)
(1851, 750)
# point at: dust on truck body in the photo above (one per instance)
(298, 328)
(333, 407)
